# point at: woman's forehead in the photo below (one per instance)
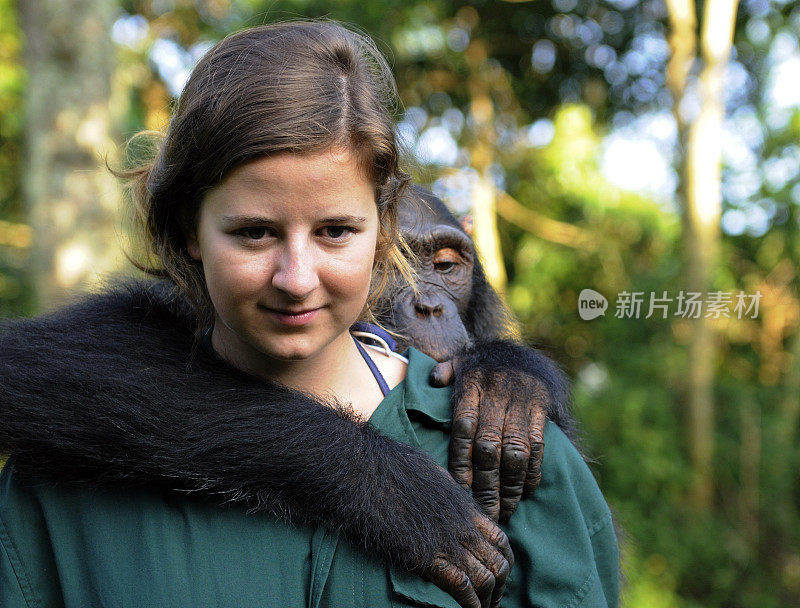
(313, 168)
(328, 182)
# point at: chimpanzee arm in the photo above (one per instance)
(102, 393)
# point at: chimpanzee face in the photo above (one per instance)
(432, 319)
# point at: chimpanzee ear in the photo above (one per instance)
(466, 223)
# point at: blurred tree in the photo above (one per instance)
(701, 137)
(71, 202)
(15, 235)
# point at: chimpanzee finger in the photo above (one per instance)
(453, 580)
(462, 435)
(442, 374)
(495, 559)
(534, 474)
(497, 594)
(515, 455)
(481, 578)
(486, 451)
(513, 470)
(486, 476)
(495, 537)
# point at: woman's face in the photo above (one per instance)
(287, 244)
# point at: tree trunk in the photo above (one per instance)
(702, 200)
(485, 235)
(71, 201)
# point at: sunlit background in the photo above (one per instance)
(631, 146)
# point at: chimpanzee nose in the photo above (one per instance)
(427, 307)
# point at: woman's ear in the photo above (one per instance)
(193, 246)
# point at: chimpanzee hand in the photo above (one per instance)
(502, 394)
(477, 578)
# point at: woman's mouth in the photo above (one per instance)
(293, 318)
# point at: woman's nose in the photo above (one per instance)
(296, 274)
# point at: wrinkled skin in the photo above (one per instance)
(503, 440)
(480, 580)
(432, 318)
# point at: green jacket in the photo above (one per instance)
(79, 547)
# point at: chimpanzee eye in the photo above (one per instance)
(445, 260)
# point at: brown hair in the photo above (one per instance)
(301, 87)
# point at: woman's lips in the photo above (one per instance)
(294, 319)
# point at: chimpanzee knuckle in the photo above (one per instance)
(460, 462)
(487, 493)
(517, 431)
(512, 488)
(501, 569)
(492, 533)
(513, 465)
(462, 476)
(453, 581)
(532, 482)
(483, 582)
(496, 564)
(490, 505)
(486, 453)
(537, 423)
(499, 540)
(486, 483)
(463, 584)
(465, 425)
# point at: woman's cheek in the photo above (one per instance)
(351, 276)
(233, 276)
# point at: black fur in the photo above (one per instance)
(106, 391)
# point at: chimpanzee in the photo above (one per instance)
(148, 407)
(454, 313)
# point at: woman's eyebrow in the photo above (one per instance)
(344, 219)
(259, 219)
(246, 219)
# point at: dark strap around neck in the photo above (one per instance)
(373, 368)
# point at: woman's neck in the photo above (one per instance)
(338, 372)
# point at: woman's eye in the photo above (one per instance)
(255, 233)
(336, 232)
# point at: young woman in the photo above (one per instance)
(272, 206)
